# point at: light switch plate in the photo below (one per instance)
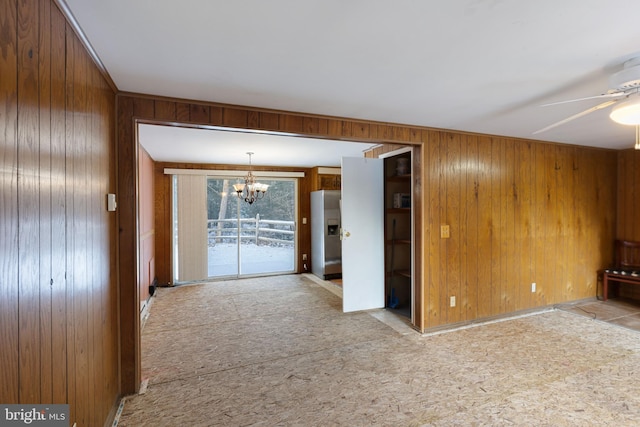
(111, 202)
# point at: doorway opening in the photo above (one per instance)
(218, 235)
(251, 239)
(399, 231)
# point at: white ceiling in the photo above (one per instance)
(191, 145)
(474, 65)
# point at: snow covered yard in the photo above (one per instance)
(223, 259)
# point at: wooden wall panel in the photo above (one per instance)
(510, 291)
(70, 154)
(497, 226)
(452, 215)
(98, 261)
(162, 194)
(9, 325)
(563, 222)
(304, 230)
(129, 298)
(143, 107)
(542, 251)
(147, 228)
(445, 271)
(57, 123)
(432, 179)
(45, 214)
(521, 214)
(82, 242)
(268, 120)
(166, 110)
(628, 195)
(469, 227)
(28, 190)
(602, 254)
(628, 206)
(198, 113)
(522, 219)
(58, 207)
(578, 200)
(485, 227)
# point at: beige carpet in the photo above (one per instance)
(279, 352)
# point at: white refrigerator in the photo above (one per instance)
(326, 248)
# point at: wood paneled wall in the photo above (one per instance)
(146, 221)
(519, 212)
(58, 295)
(628, 225)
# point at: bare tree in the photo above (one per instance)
(222, 212)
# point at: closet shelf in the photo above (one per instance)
(398, 241)
(398, 210)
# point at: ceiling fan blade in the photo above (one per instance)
(604, 95)
(580, 114)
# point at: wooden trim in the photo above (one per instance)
(273, 121)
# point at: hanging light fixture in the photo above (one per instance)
(251, 190)
(628, 113)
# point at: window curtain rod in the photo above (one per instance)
(235, 173)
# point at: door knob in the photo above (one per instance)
(344, 234)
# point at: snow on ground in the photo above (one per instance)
(223, 259)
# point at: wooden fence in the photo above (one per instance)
(251, 230)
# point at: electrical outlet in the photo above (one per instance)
(452, 301)
(444, 231)
(533, 287)
(304, 257)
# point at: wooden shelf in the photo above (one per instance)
(401, 272)
(398, 231)
(398, 210)
(399, 242)
(399, 178)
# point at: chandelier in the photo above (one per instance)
(251, 190)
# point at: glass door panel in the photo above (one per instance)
(251, 239)
(268, 230)
(222, 227)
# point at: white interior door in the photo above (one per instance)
(362, 234)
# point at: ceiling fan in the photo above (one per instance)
(623, 86)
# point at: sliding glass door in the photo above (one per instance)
(242, 239)
(222, 228)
